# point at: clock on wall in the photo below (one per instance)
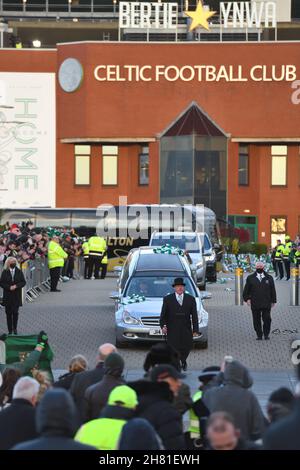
(70, 75)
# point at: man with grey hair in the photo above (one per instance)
(12, 281)
(84, 379)
(260, 295)
(17, 421)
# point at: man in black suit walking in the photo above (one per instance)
(178, 310)
(12, 280)
(260, 295)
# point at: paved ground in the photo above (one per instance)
(81, 317)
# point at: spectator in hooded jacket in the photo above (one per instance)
(235, 398)
(55, 424)
(17, 421)
(96, 395)
(138, 434)
(156, 405)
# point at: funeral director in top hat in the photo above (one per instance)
(178, 310)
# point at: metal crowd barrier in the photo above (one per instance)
(37, 278)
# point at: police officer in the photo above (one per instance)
(297, 256)
(104, 263)
(56, 260)
(85, 251)
(286, 256)
(97, 248)
(278, 260)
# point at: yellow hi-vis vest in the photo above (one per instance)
(194, 428)
(102, 433)
(104, 260)
(287, 249)
(297, 257)
(85, 249)
(56, 255)
(97, 246)
(279, 251)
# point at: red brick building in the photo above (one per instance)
(191, 123)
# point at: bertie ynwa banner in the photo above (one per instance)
(27, 140)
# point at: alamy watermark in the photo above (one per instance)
(295, 98)
(138, 220)
(296, 352)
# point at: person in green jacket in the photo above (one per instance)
(31, 360)
(297, 256)
(104, 433)
(56, 260)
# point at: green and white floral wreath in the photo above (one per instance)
(168, 250)
(133, 299)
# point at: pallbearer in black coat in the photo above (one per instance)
(260, 295)
(12, 280)
(179, 320)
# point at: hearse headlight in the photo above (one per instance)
(129, 319)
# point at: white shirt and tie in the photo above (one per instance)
(12, 272)
(179, 298)
(260, 276)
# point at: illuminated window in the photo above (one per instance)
(144, 166)
(82, 164)
(110, 164)
(279, 164)
(278, 229)
(243, 165)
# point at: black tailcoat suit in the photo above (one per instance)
(181, 322)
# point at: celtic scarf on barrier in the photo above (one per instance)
(18, 347)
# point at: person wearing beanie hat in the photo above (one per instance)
(96, 395)
(104, 432)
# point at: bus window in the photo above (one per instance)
(83, 219)
(55, 218)
(17, 217)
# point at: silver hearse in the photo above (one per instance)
(146, 277)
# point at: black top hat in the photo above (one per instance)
(178, 282)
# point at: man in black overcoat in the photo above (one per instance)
(12, 281)
(260, 295)
(179, 320)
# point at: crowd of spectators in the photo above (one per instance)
(26, 242)
(98, 409)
